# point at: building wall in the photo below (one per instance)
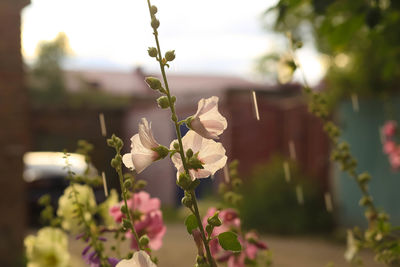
(14, 134)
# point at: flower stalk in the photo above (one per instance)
(116, 163)
(163, 62)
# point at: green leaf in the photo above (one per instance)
(229, 241)
(191, 223)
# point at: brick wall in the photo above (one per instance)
(283, 118)
(14, 134)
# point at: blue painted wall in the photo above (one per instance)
(361, 131)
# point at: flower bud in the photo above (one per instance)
(126, 223)
(364, 178)
(155, 23)
(163, 102)
(140, 184)
(176, 146)
(144, 240)
(195, 164)
(153, 10)
(189, 153)
(152, 51)
(365, 200)
(123, 209)
(214, 220)
(128, 184)
(153, 83)
(236, 183)
(173, 99)
(162, 151)
(170, 55)
(187, 201)
(209, 229)
(184, 181)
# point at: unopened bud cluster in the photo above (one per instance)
(230, 190)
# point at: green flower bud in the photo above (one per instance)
(128, 184)
(114, 163)
(365, 200)
(364, 178)
(126, 223)
(162, 151)
(184, 181)
(187, 201)
(176, 146)
(209, 229)
(153, 83)
(214, 220)
(153, 10)
(155, 23)
(189, 153)
(123, 209)
(173, 99)
(236, 183)
(144, 240)
(194, 163)
(140, 184)
(170, 55)
(163, 102)
(152, 51)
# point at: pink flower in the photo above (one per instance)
(140, 201)
(207, 121)
(394, 159)
(389, 128)
(389, 147)
(210, 153)
(147, 218)
(142, 149)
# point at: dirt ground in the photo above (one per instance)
(178, 251)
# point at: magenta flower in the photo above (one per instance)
(389, 129)
(389, 147)
(147, 218)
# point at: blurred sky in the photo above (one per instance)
(209, 36)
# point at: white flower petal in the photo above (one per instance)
(146, 135)
(211, 153)
(127, 160)
(207, 121)
(139, 259)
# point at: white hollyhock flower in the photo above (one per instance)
(144, 149)
(210, 153)
(139, 259)
(207, 121)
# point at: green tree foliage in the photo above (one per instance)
(361, 37)
(46, 80)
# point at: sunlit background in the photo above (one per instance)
(213, 37)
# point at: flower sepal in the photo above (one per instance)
(162, 151)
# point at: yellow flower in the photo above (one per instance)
(67, 208)
(48, 249)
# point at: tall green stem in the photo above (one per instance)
(181, 149)
(132, 228)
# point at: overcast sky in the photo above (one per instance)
(209, 36)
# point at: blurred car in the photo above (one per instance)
(46, 173)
